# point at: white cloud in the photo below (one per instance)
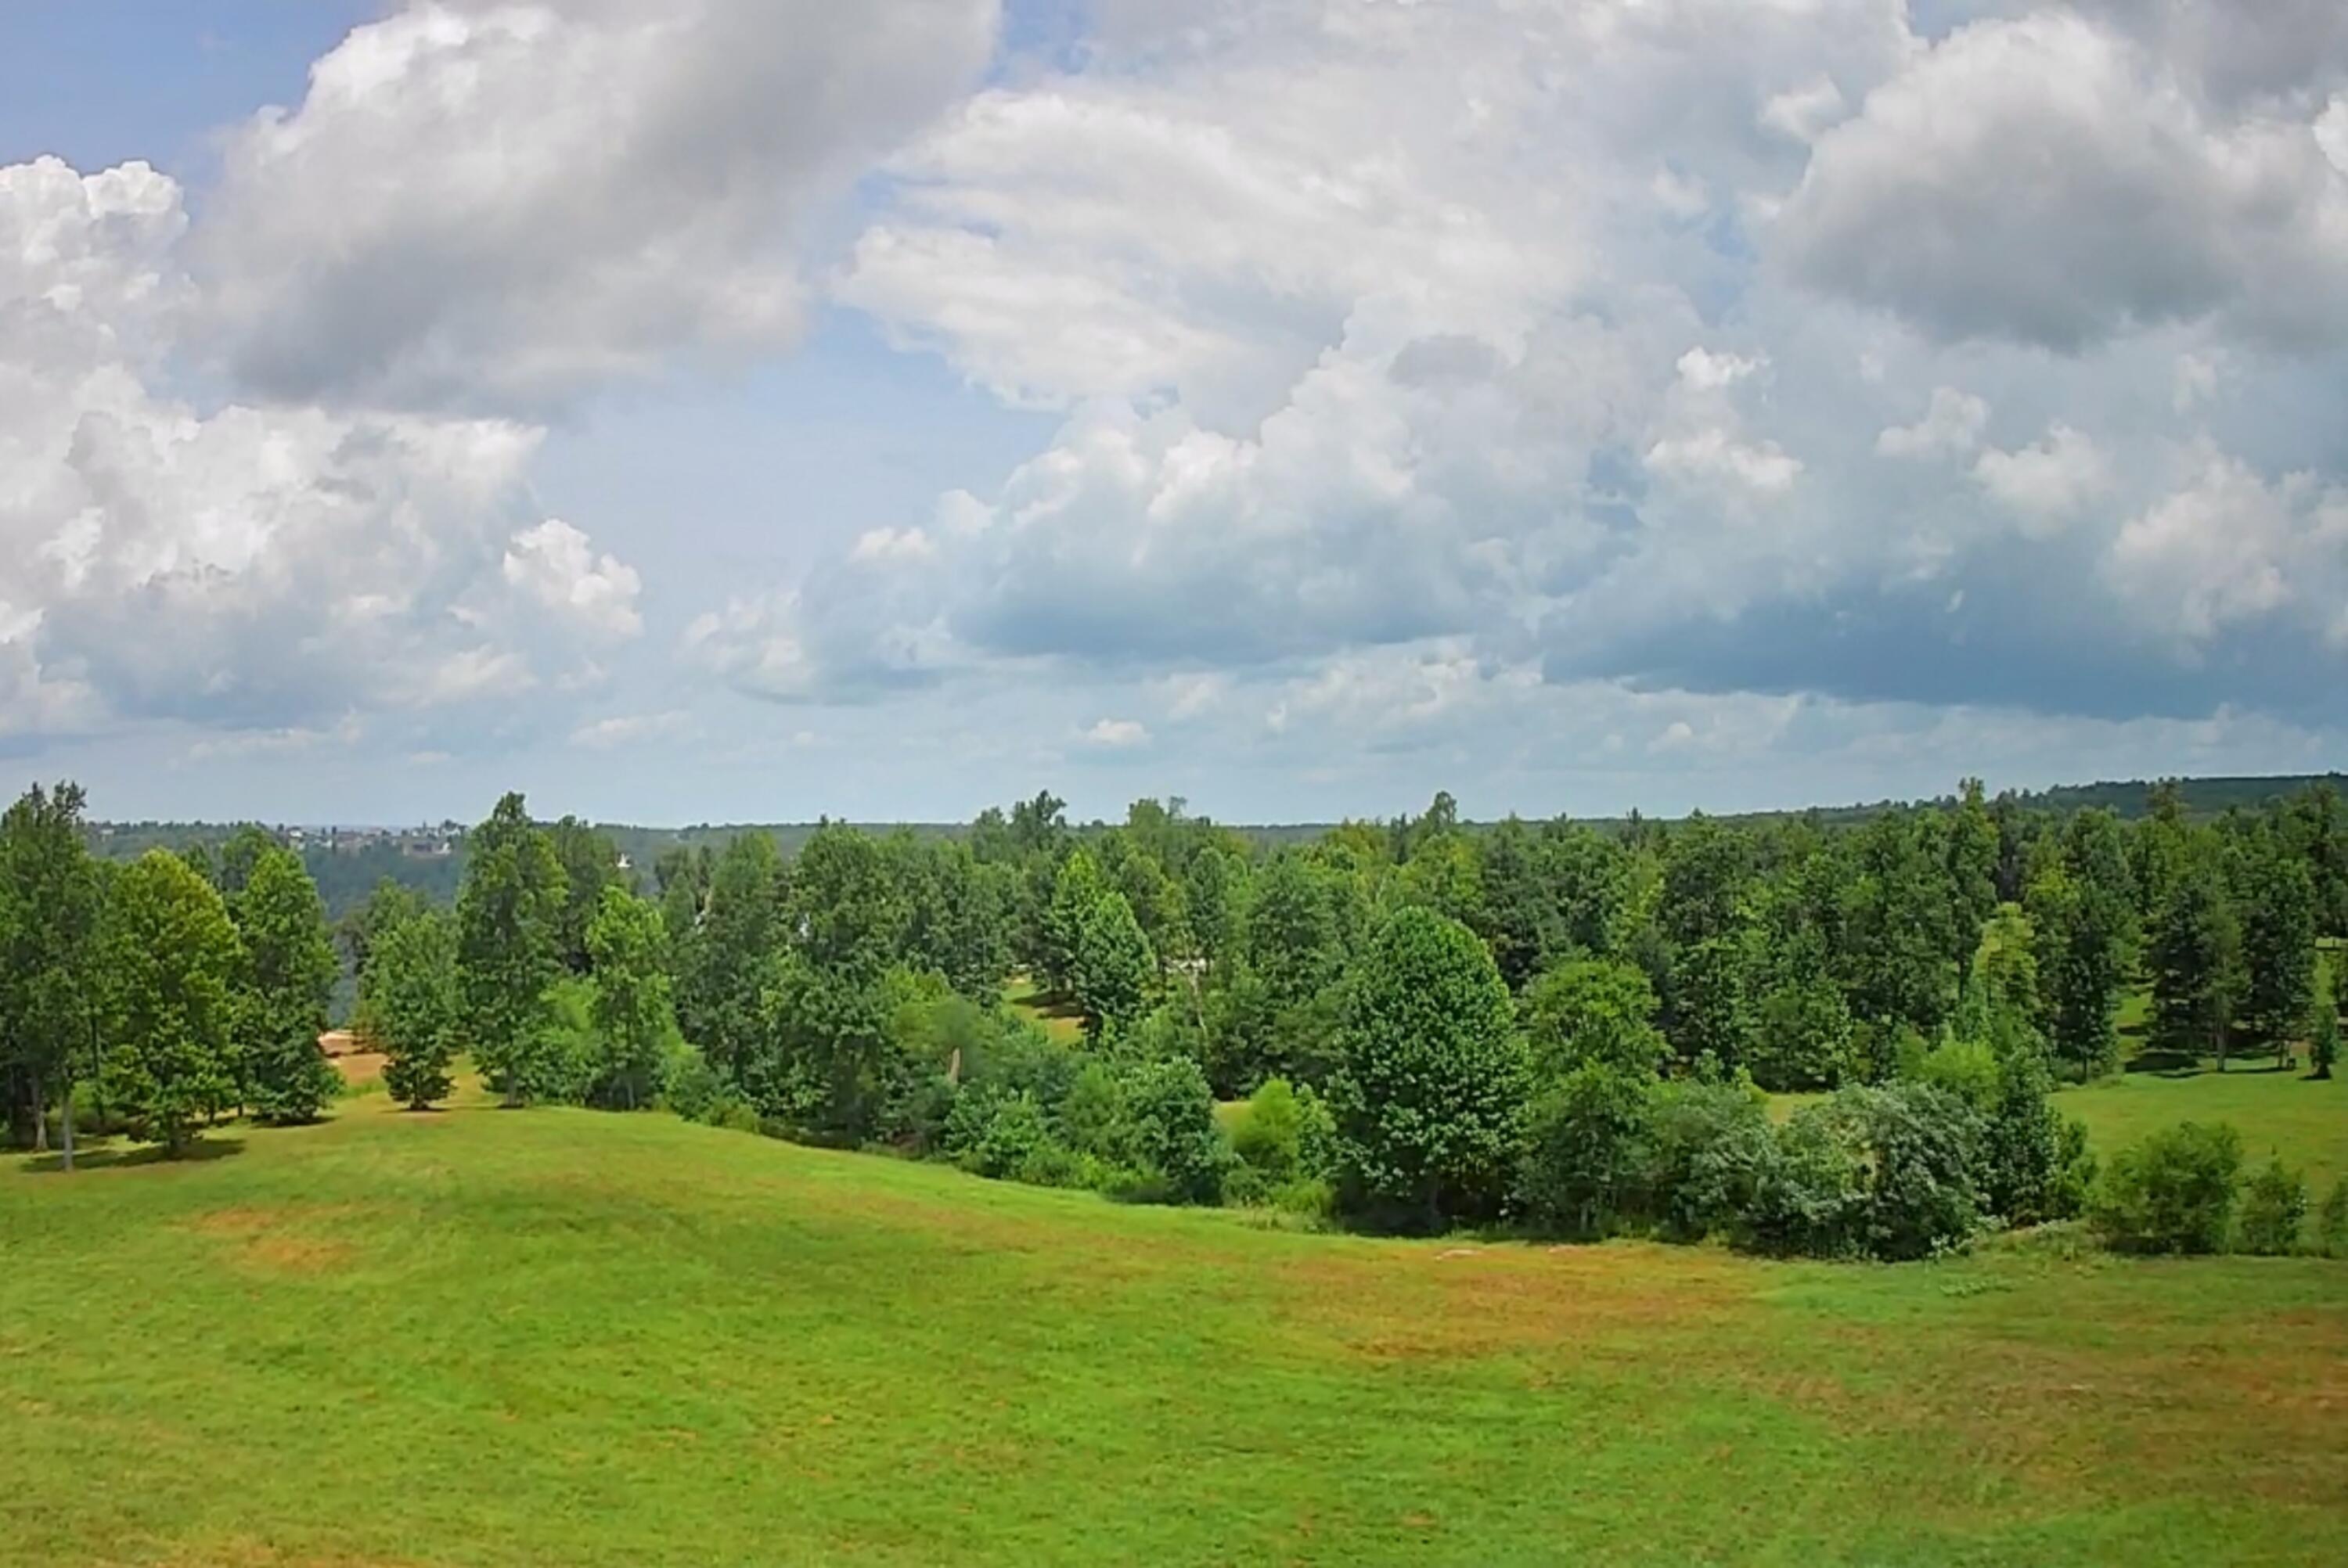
(2048, 481)
(254, 568)
(2044, 179)
(1951, 426)
(2228, 547)
(622, 730)
(484, 203)
(1117, 733)
(556, 565)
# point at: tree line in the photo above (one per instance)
(1430, 1023)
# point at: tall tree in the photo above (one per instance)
(590, 863)
(2082, 914)
(171, 960)
(2195, 957)
(2276, 895)
(407, 1005)
(49, 909)
(509, 949)
(634, 1019)
(1113, 965)
(1429, 1091)
(724, 967)
(287, 979)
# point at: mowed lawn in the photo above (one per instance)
(555, 1336)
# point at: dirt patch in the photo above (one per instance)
(282, 1240)
(360, 1067)
(1404, 1301)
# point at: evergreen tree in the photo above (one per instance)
(171, 961)
(288, 978)
(2195, 957)
(508, 949)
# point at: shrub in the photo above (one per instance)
(1091, 1116)
(1884, 1172)
(2274, 1207)
(1168, 1130)
(1003, 1135)
(2173, 1192)
(690, 1086)
(1708, 1146)
(2035, 1162)
(1268, 1134)
(1586, 1151)
(2332, 1221)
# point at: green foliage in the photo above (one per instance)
(1711, 1146)
(1587, 1154)
(407, 1005)
(1965, 1069)
(1803, 1037)
(2274, 1211)
(2082, 920)
(286, 980)
(2323, 1026)
(1113, 965)
(1428, 1094)
(1169, 1134)
(591, 868)
(2332, 1221)
(1281, 1132)
(2277, 901)
(171, 960)
(2035, 1164)
(2195, 953)
(2173, 1192)
(635, 1023)
(1884, 1172)
(1593, 1011)
(509, 953)
(725, 950)
(50, 971)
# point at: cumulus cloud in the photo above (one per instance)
(500, 203)
(2050, 179)
(1116, 733)
(2049, 480)
(1750, 398)
(256, 567)
(1951, 426)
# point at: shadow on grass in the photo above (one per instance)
(2182, 1064)
(115, 1159)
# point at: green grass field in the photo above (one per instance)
(1056, 1015)
(556, 1337)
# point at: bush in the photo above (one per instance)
(1268, 1135)
(2173, 1192)
(2332, 1222)
(1586, 1154)
(1708, 1146)
(2035, 1161)
(1881, 1173)
(1002, 1134)
(690, 1086)
(1168, 1130)
(2274, 1207)
(1966, 1069)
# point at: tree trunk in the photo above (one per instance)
(65, 1124)
(40, 1116)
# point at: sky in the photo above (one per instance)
(722, 410)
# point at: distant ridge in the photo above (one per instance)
(350, 863)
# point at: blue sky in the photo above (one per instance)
(728, 410)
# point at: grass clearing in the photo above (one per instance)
(491, 1337)
(1054, 1014)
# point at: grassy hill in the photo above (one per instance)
(556, 1337)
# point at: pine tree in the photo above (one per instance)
(2195, 956)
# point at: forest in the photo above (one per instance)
(1797, 1036)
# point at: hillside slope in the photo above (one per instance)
(557, 1337)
